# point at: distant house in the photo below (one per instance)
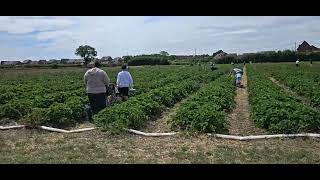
(117, 60)
(305, 47)
(42, 61)
(106, 59)
(27, 61)
(33, 62)
(53, 61)
(12, 63)
(74, 61)
(64, 61)
(220, 55)
(231, 55)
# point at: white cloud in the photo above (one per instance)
(22, 25)
(244, 31)
(58, 37)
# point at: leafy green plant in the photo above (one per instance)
(276, 110)
(205, 111)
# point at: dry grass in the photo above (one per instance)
(161, 124)
(32, 146)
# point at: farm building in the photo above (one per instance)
(220, 55)
(53, 61)
(13, 63)
(106, 59)
(74, 61)
(27, 61)
(33, 62)
(117, 60)
(231, 55)
(64, 61)
(305, 47)
(42, 61)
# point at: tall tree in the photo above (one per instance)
(87, 52)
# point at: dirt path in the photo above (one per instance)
(303, 99)
(239, 119)
(161, 124)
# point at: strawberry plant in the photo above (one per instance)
(276, 110)
(205, 111)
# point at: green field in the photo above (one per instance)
(281, 98)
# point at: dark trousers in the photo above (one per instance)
(97, 102)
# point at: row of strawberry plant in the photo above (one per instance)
(137, 110)
(301, 80)
(37, 103)
(18, 108)
(34, 104)
(275, 110)
(205, 111)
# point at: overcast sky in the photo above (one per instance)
(44, 37)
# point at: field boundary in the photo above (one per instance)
(223, 136)
(48, 129)
(231, 137)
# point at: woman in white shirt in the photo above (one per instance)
(124, 82)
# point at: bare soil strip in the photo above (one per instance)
(161, 124)
(306, 101)
(239, 119)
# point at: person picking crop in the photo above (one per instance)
(238, 75)
(96, 81)
(124, 82)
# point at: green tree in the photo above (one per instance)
(164, 53)
(87, 52)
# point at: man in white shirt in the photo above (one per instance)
(297, 63)
(124, 82)
(96, 81)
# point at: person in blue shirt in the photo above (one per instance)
(124, 82)
(238, 75)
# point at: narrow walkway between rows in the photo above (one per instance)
(161, 123)
(239, 119)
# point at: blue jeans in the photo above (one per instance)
(238, 79)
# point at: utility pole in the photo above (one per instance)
(295, 46)
(195, 52)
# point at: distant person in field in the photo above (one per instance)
(297, 63)
(238, 75)
(96, 81)
(213, 67)
(124, 82)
